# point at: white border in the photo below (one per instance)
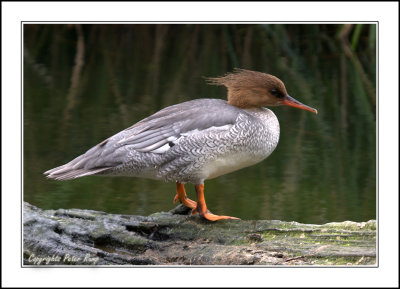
(384, 12)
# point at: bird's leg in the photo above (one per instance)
(181, 195)
(201, 207)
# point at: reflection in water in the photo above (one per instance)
(322, 170)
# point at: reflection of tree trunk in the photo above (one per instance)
(40, 70)
(76, 72)
(118, 97)
(159, 41)
(343, 37)
(341, 130)
(246, 58)
(174, 93)
(113, 61)
(293, 166)
(343, 92)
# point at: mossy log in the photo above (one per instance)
(86, 237)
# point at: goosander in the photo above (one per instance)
(195, 140)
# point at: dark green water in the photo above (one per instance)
(85, 83)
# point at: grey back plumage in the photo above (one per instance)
(171, 122)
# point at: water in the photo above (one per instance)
(83, 84)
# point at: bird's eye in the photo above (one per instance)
(276, 93)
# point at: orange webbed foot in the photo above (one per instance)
(201, 207)
(181, 196)
(211, 217)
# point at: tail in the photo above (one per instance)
(67, 172)
(84, 165)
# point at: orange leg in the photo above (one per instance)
(201, 207)
(181, 195)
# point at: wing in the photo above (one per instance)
(171, 123)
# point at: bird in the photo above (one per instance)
(194, 141)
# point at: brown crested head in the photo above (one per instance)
(251, 89)
(248, 89)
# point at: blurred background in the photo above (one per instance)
(84, 83)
